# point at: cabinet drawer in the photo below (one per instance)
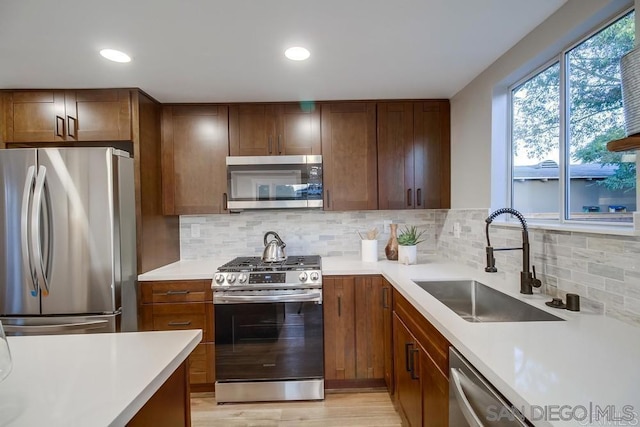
(167, 317)
(175, 291)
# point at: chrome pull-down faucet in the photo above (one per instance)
(528, 281)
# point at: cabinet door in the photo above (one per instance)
(396, 188)
(407, 372)
(435, 394)
(34, 116)
(369, 325)
(432, 154)
(298, 130)
(194, 147)
(98, 115)
(349, 156)
(387, 325)
(339, 333)
(252, 130)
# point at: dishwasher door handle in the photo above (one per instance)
(463, 402)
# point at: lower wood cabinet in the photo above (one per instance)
(170, 406)
(354, 331)
(421, 356)
(186, 304)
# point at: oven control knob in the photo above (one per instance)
(242, 278)
(303, 277)
(219, 279)
(231, 278)
(315, 276)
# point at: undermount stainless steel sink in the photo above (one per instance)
(475, 302)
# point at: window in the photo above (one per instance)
(561, 119)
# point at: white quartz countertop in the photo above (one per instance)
(88, 380)
(548, 370)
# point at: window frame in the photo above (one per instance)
(563, 219)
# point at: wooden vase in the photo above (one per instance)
(391, 250)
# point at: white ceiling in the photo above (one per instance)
(232, 50)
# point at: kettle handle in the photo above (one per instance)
(280, 242)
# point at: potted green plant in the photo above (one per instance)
(408, 240)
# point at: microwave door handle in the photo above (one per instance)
(463, 402)
(36, 246)
(27, 259)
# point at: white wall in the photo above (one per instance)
(478, 111)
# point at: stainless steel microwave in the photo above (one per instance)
(273, 182)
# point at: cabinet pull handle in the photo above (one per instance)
(419, 197)
(279, 144)
(179, 323)
(225, 201)
(60, 126)
(177, 292)
(413, 364)
(409, 197)
(339, 306)
(270, 144)
(328, 199)
(72, 130)
(385, 297)
(407, 360)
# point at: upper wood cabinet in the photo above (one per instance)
(67, 116)
(349, 156)
(195, 144)
(274, 129)
(414, 155)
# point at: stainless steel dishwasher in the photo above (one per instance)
(473, 401)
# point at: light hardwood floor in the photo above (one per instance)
(338, 409)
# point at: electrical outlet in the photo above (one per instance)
(456, 230)
(195, 230)
(385, 226)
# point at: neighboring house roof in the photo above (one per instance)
(549, 170)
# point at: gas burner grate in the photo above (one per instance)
(306, 262)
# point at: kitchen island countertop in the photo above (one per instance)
(88, 380)
(548, 370)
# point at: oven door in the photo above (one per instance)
(269, 341)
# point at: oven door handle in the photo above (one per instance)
(310, 297)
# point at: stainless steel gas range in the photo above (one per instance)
(268, 330)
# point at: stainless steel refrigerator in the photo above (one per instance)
(67, 248)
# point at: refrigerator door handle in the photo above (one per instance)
(59, 328)
(27, 261)
(36, 246)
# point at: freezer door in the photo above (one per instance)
(18, 290)
(77, 230)
(43, 325)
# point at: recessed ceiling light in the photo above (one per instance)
(297, 53)
(115, 55)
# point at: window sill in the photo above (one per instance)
(622, 230)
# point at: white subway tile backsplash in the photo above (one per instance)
(317, 232)
(604, 270)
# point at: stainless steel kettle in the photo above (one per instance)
(274, 249)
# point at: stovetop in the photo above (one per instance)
(306, 262)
